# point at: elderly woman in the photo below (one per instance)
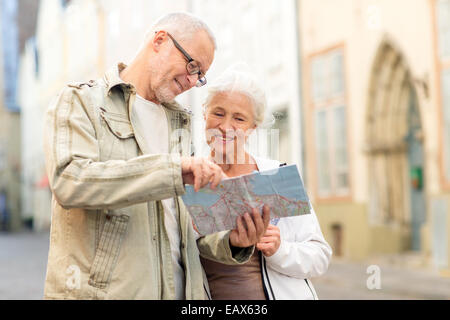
(293, 249)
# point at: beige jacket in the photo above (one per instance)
(108, 239)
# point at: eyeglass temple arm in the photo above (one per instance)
(180, 48)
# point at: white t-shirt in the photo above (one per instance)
(153, 121)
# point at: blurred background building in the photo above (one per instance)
(376, 99)
(360, 92)
(17, 24)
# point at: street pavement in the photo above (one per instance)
(346, 280)
(23, 260)
(23, 263)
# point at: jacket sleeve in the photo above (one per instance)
(216, 247)
(79, 180)
(306, 254)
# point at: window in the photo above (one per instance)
(323, 167)
(443, 37)
(336, 76)
(318, 79)
(340, 147)
(330, 121)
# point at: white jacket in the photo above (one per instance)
(303, 254)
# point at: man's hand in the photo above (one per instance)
(201, 171)
(255, 227)
(270, 242)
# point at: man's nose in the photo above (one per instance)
(192, 79)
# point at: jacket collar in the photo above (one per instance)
(113, 79)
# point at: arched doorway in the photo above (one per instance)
(395, 149)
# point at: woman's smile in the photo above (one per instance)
(225, 139)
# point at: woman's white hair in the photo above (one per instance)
(181, 25)
(237, 79)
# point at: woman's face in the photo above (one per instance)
(229, 121)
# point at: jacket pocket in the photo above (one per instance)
(117, 140)
(118, 124)
(108, 249)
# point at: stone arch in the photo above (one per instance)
(390, 95)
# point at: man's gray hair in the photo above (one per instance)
(181, 25)
(237, 80)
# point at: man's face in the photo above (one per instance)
(170, 77)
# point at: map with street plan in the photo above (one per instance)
(217, 210)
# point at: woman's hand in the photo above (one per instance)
(270, 242)
(254, 229)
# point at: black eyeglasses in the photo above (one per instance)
(192, 67)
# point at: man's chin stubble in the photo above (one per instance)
(164, 95)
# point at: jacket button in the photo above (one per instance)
(183, 245)
(118, 133)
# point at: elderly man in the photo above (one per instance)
(119, 229)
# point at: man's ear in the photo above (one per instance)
(158, 39)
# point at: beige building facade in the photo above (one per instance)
(376, 92)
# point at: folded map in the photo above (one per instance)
(217, 210)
